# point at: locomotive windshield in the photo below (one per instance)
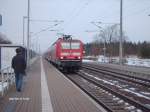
(65, 45)
(72, 45)
(75, 45)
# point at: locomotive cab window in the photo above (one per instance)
(75, 45)
(65, 45)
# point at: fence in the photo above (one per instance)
(7, 78)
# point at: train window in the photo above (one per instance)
(75, 45)
(65, 45)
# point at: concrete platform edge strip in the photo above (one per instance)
(46, 101)
(95, 103)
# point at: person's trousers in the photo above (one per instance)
(19, 80)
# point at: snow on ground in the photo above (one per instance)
(132, 60)
(103, 59)
(86, 60)
(138, 62)
(5, 84)
(115, 83)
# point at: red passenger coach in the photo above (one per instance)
(66, 53)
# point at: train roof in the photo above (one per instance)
(66, 40)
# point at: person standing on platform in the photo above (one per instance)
(19, 66)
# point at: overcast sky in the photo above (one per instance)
(77, 15)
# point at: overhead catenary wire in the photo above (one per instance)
(130, 8)
(135, 13)
(138, 12)
(76, 14)
(42, 20)
(43, 30)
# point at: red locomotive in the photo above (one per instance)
(66, 53)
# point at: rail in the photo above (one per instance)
(7, 79)
(114, 92)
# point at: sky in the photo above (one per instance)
(77, 16)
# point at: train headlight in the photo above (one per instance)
(61, 57)
(79, 57)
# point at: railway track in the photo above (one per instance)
(106, 95)
(135, 71)
(118, 74)
(116, 91)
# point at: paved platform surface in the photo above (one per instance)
(29, 100)
(45, 89)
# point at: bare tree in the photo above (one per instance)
(110, 36)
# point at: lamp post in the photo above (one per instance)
(23, 38)
(28, 34)
(104, 46)
(120, 48)
(121, 45)
(104, 49)
(102, 31)
(96, 24)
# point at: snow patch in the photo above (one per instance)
(5, 84)
(86, 60)
(137, 94)
(134, 60)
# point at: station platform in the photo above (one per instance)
(45, 89)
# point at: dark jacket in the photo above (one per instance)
(19, 64)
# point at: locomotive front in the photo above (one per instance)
(70, 54)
